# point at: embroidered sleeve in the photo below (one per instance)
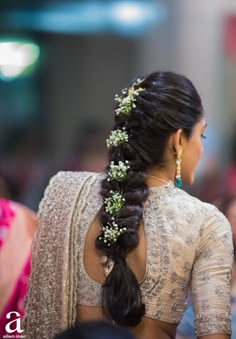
(211, 277)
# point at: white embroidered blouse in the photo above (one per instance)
(189, 253)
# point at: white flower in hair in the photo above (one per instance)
(114, 203)
(118, 172)
(127, 103)
(111, 233)
(117, 137)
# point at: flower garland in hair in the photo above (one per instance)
(117, 137)
(114, 203)
(127, 103)
(111, 233)
(118, 170)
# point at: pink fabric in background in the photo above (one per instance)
(16, 301)
(230, 36)
(7, 215)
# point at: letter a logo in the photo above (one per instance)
(16, 321)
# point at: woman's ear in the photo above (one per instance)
(178, 140)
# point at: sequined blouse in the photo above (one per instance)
(189, 253)
(189, 249)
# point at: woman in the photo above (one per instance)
(17, 225)
(128, 245)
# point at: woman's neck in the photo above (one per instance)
(159, 178)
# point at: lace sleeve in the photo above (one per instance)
(211, 276)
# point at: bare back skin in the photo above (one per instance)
(136, 259)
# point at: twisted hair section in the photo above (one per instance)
(147, 114)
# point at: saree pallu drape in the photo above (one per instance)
(51, 298)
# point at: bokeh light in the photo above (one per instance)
(16, 57)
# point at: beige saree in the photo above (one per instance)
(51, 297)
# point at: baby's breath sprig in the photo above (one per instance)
(127, 103)
(114, 203)
(117, 137)
(111, 233)
(118, 172)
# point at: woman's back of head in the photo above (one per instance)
(95, 330)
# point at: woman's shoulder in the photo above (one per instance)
(204, 220)
(65, 178)
(182, 205)
(65, 186)
(198, 205)
(211, 219)
(68, 180)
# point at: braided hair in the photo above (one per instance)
(148, 112)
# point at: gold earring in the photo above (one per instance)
(178, 178)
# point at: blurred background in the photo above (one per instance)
(62, 62)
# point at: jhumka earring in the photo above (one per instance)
(178, 179)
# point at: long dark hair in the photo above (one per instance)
(168, 102)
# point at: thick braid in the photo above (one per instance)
(147, 114)
(124, 192)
